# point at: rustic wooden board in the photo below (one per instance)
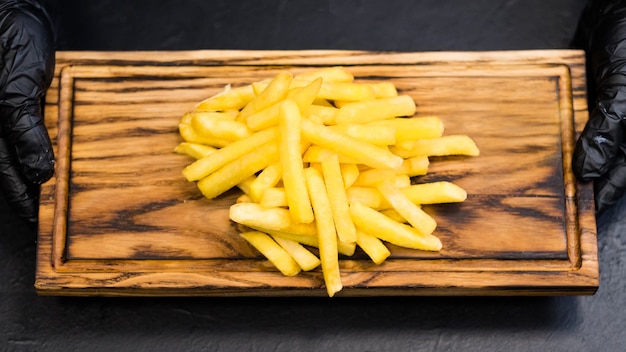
(119, 218)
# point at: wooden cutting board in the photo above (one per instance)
(119, 219)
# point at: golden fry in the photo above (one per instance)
(361, 152)
(273, 252)
(410, 129)
(327, 236)
(338, 199)
(292, 165)
(189, 135)
(229, 99)
(259, 217)
(238, 170)
(442, 146)
(349, 172)
(376, 109)
(210, 126)
(376, 224)
(417, 217)
(377, 135)
(345, 91)
(274, 197)
(275, 91)
(194, 150)
(305, 259)
(207, 165)
(303, 97)
(371, 177)
(343, 248)
(244, 185)
(321, 114)
(373, 247)
(366, 195)
(435, 193)
(384, 89)
(328, 74)
(316, 154)
(269, 177)
(414, 166)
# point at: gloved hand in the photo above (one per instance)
(27, 56)
(600, 153)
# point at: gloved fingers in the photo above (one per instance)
(28, 55)
(32, 144)
(598, 144)
(612, 186)
(21, 195)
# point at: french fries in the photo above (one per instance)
(326, 165)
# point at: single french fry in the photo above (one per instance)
(244, 198)
(349, 172)
(401, 181)
(207, 165)
(409, 129)
(269, 177)
(414, 166)
(302, 96)
(316, 154)
(346, 248)
(194, 150)
(244, 185)
(292, 165)
(343, 248)
(345, 91)
(376, 109)
(393, 214)
(371, 177)
(205, 124)
(273, 252)
(229, 115)
(229, 99)
(418, 218)
(338, 199)
(373, 247)
(259, 86)
(259, 217)
(189, 135)
(384, 89)
(366, 195)
(328, 74)
(376, 224)
(327, 236)
(435, 193)
(321, 114)
(442, 146)
(273, 197)
(378, 135)
(307, 230)
(238, 170)
(275, 91)
(361, 152)
(305, 259)
(381, 90)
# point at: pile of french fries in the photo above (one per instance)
(324, 162)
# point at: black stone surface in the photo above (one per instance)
(589, 323)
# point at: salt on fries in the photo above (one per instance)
(325, 164)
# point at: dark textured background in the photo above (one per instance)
(589, 323)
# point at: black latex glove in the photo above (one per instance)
(600, 153)
(27, 54)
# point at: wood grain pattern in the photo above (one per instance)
(118, 218)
